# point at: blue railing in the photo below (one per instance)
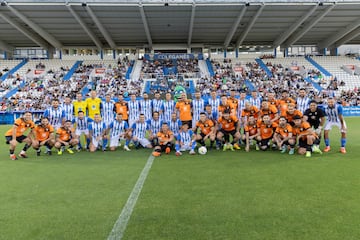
(318, 66)
(249, 85)
(128, 72)
(264, 67)
(315, 85)
(210, 68)
(72, 70)
(13, 70)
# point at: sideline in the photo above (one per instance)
(120, 225)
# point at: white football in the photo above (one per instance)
(202, 150)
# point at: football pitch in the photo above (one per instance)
(220, 195)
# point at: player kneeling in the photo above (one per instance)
(119, 129)
(44, 136)
(65, 137)
(207, 130)
(165, 138)
(283, 136)
(185, 141)
(97, 134)
(305, 136)
(266, 131)
(230, 126)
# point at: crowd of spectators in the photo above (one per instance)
(37, 92)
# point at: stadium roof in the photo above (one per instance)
(127, 23)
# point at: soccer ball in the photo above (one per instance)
(202, 150)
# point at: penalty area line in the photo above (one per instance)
(120, 225)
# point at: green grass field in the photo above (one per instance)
(231, 195)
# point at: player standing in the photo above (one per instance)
(334, 116)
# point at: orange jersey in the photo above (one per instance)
(184, 108)
(253, 111)
(233, 101)
(304, 126)
(251, 129)
(228, 124)
(21, 127)
(282, 104)
(122, 107)
(205, 127)
(164, 137)
(289, 117)
(64, 134)
(271, 111)
(228, 106)
(266, 130)
(284, 131)
(273, 102)
(43, 132)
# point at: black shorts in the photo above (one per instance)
(302, 143)
(163, 147)
(232, 132)
(19, 139)
(265, 142)
(68, 141)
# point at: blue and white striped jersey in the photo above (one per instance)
(117, 128)
(55, 116)
(154, 125)
(256, 102)
(185, 137)
(107, 111)
(139, 129)
(134, 110)
(169, 108)
(97, 128)
(82, 124)
(198, 106)
(68, 110)
(332, 114)
(214, 104)
(302, 103)
(175, 126)
(146, 108)
(241, 106)
(158, 105)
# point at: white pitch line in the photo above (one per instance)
(120, 225)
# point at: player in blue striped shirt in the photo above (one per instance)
(97, 133)
(158, 105)
(81, 123)
(185, 141)
(146, 106)
(107, 111)
(134, 109)
(154, 127)
(169, 107)
(68, 108)
(198, 106)
(119, 129)
(55, 114)
(139, 129)
(175, 124)
(334, 116)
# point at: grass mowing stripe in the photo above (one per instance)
(120, 225)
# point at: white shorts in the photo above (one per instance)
(78, 132)
(329, 125)
(144, 142)
(114, 141)
(185, 147)
(95, 142)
